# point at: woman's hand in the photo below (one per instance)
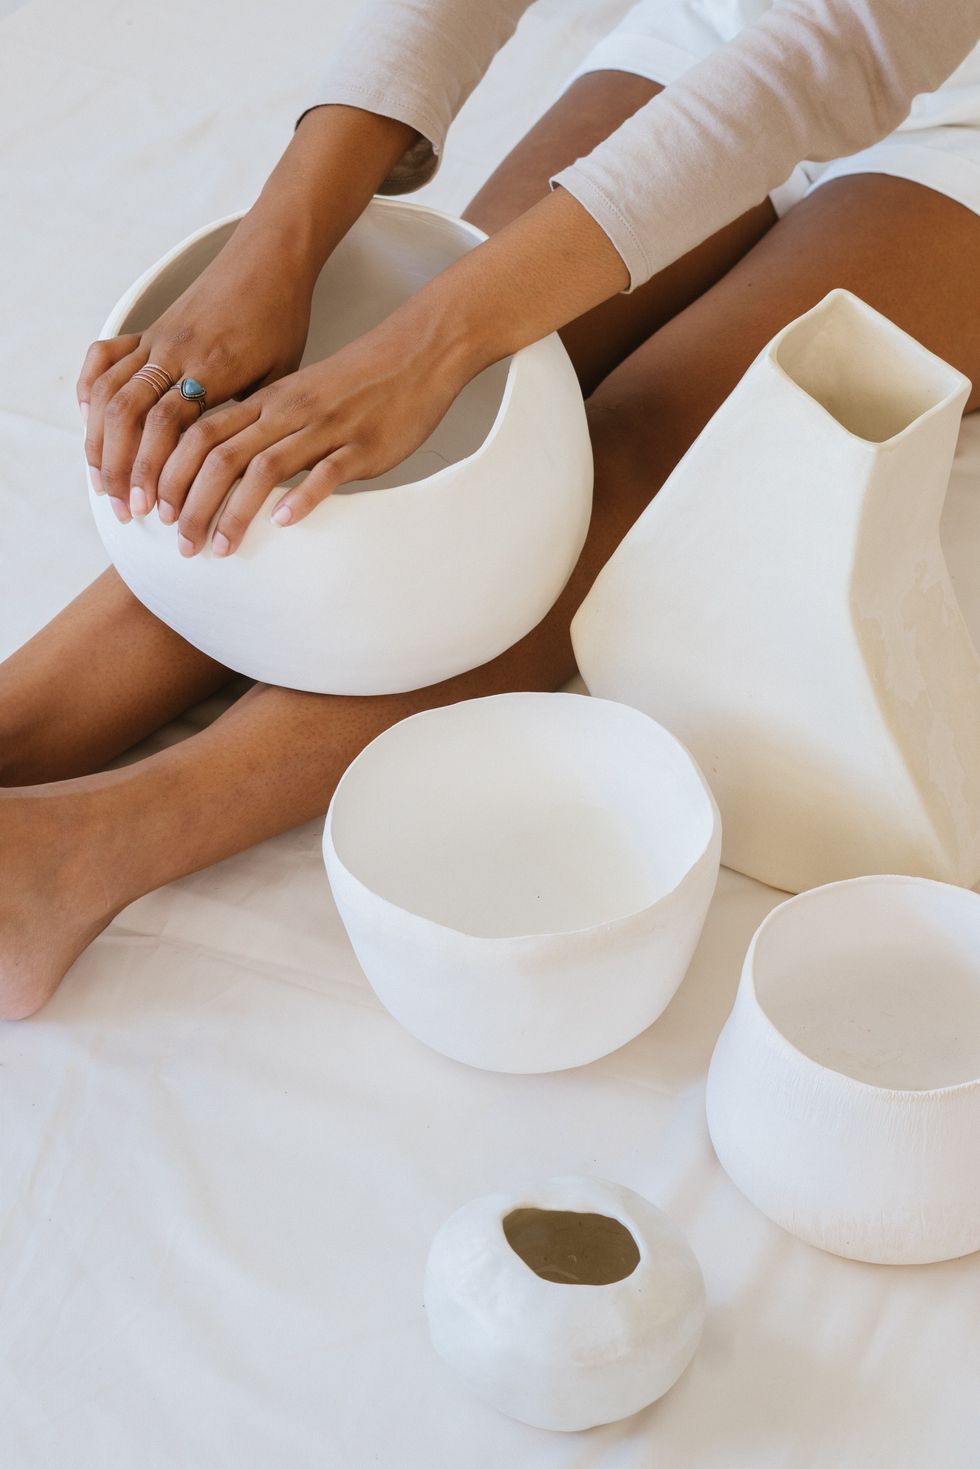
(371, 404)
(243, 322)
(352, 416)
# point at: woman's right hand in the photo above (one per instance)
(240, 325)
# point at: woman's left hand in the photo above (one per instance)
(352, 416)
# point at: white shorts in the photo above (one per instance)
(938, 144)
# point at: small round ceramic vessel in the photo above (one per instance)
(571, 1303)
(524, 877)
(844, 1092)
(399, 581)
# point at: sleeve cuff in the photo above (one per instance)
(610, 219)
(420, 161)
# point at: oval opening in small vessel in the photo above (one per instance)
(572, 1248)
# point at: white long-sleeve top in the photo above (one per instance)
(810, 79)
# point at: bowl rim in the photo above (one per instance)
(782, 1042)
(517, 365)
(712, 839)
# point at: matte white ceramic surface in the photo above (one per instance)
(514, 1308)
(406, 579)
(844, 1092)
(784, 607)
(524, 877)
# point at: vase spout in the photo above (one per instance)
(874, 379)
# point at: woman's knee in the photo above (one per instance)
(642, 419)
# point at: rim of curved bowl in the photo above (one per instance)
(782, 1040)
(517, 939)
(515, 368)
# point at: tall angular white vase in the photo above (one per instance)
(784, 607)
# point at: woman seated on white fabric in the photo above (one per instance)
(709, 173)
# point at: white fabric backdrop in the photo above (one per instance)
(220, 1161)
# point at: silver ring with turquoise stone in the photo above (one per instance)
(194, 392)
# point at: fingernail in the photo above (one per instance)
(283, 515)
(139, 501)
(83, 410)
(166, 512)
(95, 475)
(220, 543)
(121, 509)
(185, 545)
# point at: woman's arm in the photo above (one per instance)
(812, 79)
(418, 61)
(330, 170)
(244, 321)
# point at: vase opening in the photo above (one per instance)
(569, 1248)
(878, 980)
(872, 377)
(386, 256)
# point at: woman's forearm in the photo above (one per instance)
(548, 266)
(335, 161)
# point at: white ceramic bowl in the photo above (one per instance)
(404, 580)
(524, 877)
(844, 1092)
(570, 1303)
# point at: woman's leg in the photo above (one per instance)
(100, 676)
(272, 760)
(105, 672)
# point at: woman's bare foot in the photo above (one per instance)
(57, 892)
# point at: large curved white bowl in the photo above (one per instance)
(404, 580)
(569, 1303)
(844, 1092)
(524, 877)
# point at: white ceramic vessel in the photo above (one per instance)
(570, 1303)
(844, 1092)
(524, 877)
(403, 580)
(784, 607)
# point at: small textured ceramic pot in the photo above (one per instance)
(524, 877)
(571, 1303)
(844, 1092)
(400, 581)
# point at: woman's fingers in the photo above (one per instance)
(337, 468)
(124, 422)
(262, 460)
(208, 437)
(102, 355)
(161, 443)
(100, 396)
(265, 473)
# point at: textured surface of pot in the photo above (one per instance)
(784, 607)
(844, 1092)
(406, 579)
(524, 877)
(572, 1303)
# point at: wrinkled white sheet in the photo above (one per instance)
(220, 1161)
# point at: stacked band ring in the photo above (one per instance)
(158, 378)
